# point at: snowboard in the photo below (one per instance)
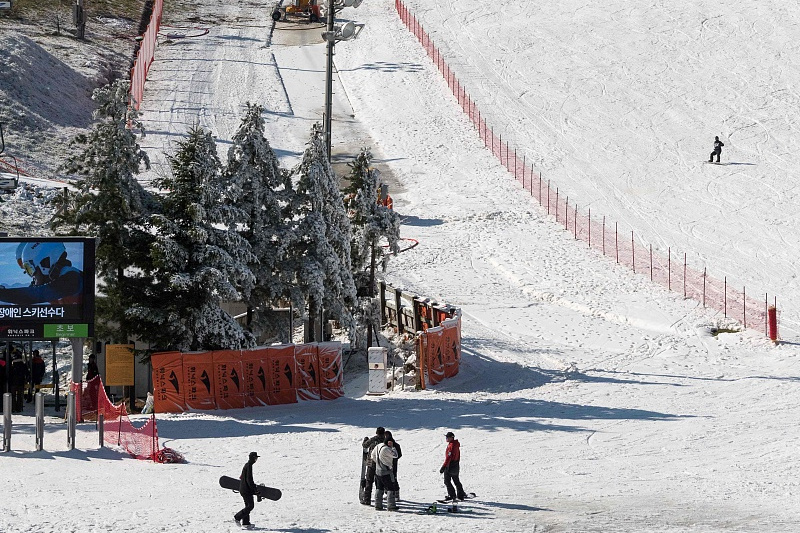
(264, 492)
(435, 508)
(470, 495)
(362, 496)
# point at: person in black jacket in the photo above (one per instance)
(248, 489)
(19, 377)
(717, 150)
(396, 488)
(369, 444)
(37, 372)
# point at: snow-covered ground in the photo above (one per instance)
(588, 399)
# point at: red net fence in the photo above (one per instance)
(144, 57)
(604, 236)
(141, 443)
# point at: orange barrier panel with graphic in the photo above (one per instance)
(450, 343)
(198, 380)
(435, 355)
(307, 382)
(168, 382)
(255, 377)
(282, 375)
(228, 384)
(331, 382)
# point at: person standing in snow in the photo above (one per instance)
(37, 373)
(248, 489)
(369, 444)
(450, 468)
(717, 150)
(19, 376)
(383, 455)
(92, 371)
(396, 487)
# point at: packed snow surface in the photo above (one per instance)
(588, 399)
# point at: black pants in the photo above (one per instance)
(450, 479)
(17, 398)
(244, 514)
(714, 153)
(370, 475)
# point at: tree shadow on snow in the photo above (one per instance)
(411, 220)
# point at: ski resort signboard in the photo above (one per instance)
(46, 287)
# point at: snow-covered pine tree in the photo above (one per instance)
(262, 192)
(110, 204)
(321, 255)
(372, 224)
(200, 260)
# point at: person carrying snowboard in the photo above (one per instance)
(248, 489)
(383, 456)
(450, 468)
(368, 445)
(717, 150)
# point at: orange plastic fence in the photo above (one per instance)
(144, 57)
(232, 379)
(604, 236)
(440, 351)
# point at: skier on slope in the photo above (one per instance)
(717, 150)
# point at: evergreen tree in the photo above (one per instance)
(199, 259)
(110, 204)
(320, 257)
(372, 224)
(262, 192)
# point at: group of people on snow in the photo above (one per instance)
(17, 374)
(382, 453)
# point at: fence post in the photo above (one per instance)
(744, 306)
(669, 268)
(556, 209)
(39, 407)
(398, 311)
(725, 296)
(651, 262)
(566, 213)
(71, 419)
(590, 228)
(604, 235)
(7, 422)
(633, 253)
(384, 314)
(101, 419)
(704, 286)
(684, 274)
(616, 240)
(575, 220)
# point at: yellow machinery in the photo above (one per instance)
(298, 8)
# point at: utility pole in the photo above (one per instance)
(79, 18)
(329, 78)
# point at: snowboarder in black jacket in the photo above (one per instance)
(717, 150)
(248, 489)
(368, 445)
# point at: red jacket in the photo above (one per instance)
(453, 453)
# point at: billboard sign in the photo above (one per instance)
(46, 287)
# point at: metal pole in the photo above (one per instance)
(7, 422)
(56, 391)
(329, 80)
(71, 420)
(100, 428)
(39, 407)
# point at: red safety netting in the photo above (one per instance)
(145, 55)
(668, 268)
(142, 443)
(440, 350)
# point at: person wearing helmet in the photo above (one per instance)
(54, 280)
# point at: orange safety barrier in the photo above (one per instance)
(440, 351)
(231, 379)
(145, 55)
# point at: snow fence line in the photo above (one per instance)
(145, 55)
(601, 235)
(437, 327)
(234, 379)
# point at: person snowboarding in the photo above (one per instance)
(383, 455)
(717, 150)
(248, 489)
(450, 469)
(368, 445)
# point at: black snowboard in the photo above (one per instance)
(264, 492)
(470, 495)
(363, 485)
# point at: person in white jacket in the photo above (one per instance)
(384, 456)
